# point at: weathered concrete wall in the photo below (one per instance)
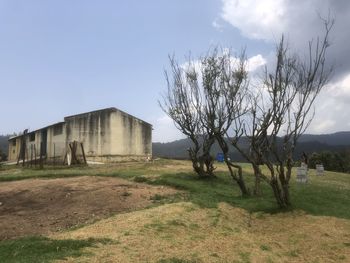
(130, 136)
(92, 129)
(108, 135)
(56, 143)
(14, 146)
(32, 146)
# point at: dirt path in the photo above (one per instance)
(41, 206)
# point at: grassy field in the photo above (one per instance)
(209, 222)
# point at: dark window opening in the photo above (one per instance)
(32, 137)
(14, 143)
(57, 129)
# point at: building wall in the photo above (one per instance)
(14, 146)
(56, 142)
(93, 130)
(130, 136)
(107, 135)
(32, 146)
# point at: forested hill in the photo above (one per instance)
(178, 149)
(339, 138)
(308, 143)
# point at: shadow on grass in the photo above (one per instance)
(315, 199)
(42, 249)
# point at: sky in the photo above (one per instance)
(59, 58)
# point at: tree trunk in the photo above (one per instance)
(199, 164)
(281, 194)
(238, 179)
(257, 184)
(286, 196)
(242, 186)
(206, 157)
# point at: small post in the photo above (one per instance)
(54, 155)
(64, 159)
(23, 154)
(34, 155)
(27, 154)
(69, 160)
(41, 155)
(82, 150)
(31, 155)
(75, 152)
(73, 147)
(20, 154)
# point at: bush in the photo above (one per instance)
(332, 161)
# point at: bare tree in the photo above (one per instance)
(218, 106)
(183, 104)
(224, 88)
(245, 128)
(282, 110)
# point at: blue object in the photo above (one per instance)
(220, 157)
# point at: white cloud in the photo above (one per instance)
(299, 21)
(255, 62)
(268, 19)
(341, 90)
(332, 108)
(255, 18)
(323, 126)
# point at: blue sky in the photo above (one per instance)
(59, 58)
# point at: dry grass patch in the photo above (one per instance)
(184, 231)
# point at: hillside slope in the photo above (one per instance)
(308, 143)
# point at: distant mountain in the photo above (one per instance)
(178, 149)
(336, 139)
(308, 143)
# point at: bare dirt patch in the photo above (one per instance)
(42, 206)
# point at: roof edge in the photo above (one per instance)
(112, 109)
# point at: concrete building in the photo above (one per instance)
(108, 135)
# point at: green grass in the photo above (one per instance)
(265, 248)
(14, 173)
(140, 179)
(136, 171)
(42, 249)
(208, 193)
(328, 195)
(18, 173)
(319, 197)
